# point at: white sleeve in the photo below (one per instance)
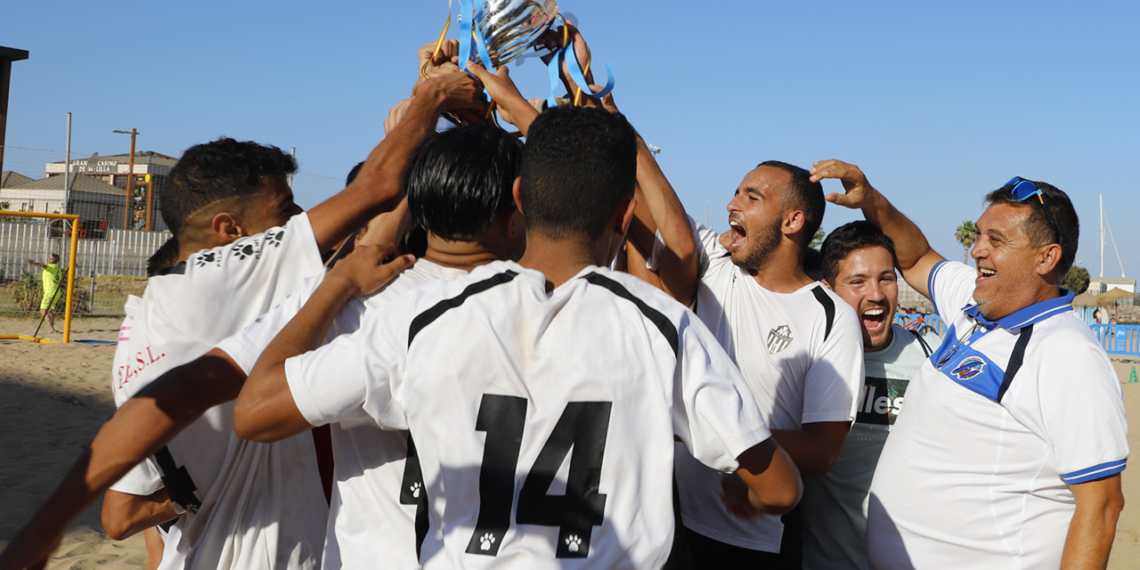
(1081, 414)
(349, 379)
(714, 413)
(951, 286)
(251, 274)
(832, 384)
(708, 244)
(246, 346)
(142, 480)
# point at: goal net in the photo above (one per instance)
(30, 285)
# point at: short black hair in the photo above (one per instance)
(166, 256)
(1036, 226)
(849, 238)
(578, 165)
(803, 195)
(219, 170)
(458, 180)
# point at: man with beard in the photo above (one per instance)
(859, 265)
(796, 343)
(1010, 451)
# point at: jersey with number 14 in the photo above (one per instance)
(544, 422)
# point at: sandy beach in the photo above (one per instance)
(54, 397)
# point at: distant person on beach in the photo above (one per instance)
(51, 278)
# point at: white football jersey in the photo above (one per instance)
(801, 354)
(251, 505)
(544, 422)
(379, 506)
(998, 423)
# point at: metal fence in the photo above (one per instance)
(921, 323)
(1118, 339)
(120, 252)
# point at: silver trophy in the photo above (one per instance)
(511, 27)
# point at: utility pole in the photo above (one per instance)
(130, 177)
(67, 172)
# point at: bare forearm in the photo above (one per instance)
(127, 515)
(1089, 541)
(267, 389)
(679, 264)
(910, 243)
(1093, 527)
(814, 451)
(376, 188)
(306, 330)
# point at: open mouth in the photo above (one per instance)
(985, 273)
(739, 235)
(874, 319)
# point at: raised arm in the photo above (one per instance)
(514, 109)
(265, 410)
(137, 430)
(377, 188)
(679, 266)
(916, 258)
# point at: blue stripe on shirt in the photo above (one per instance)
(1095, 472)
(930, 286)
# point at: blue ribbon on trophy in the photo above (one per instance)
(500, 31)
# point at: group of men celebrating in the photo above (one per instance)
(505, 398)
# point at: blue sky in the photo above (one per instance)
(938, 102)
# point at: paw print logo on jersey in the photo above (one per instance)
(242, 251)
(779, 338)
(486, 541)
(275, 238)
(573, 543)
(415, 489)
(205, 259)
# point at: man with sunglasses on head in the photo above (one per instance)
(1010, 451)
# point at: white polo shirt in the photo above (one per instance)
(1000, 420)
(838, 538)
(801, 354)
(251, 505)
(544, 421)
(379, 507)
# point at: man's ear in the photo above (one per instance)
(226, 227)
(1048, 259)
(794, 221)
(826, 284)
(515, 193)
(627, 217)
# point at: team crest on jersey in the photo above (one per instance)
(779, 338)
(969, 368)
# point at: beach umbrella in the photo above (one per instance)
(1111, 297)
(1085, 299)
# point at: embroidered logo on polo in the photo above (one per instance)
(779, 338)
(969, 368)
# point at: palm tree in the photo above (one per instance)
(966, 234)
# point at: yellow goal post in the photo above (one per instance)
(73, 248)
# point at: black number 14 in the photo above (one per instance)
(583, 426)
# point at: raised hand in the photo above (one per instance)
(857, 190)
(457, 89)
(430, 60)
(396, 114)
(513, 108)
(369, 267)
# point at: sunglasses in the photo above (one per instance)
(1025, 189)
